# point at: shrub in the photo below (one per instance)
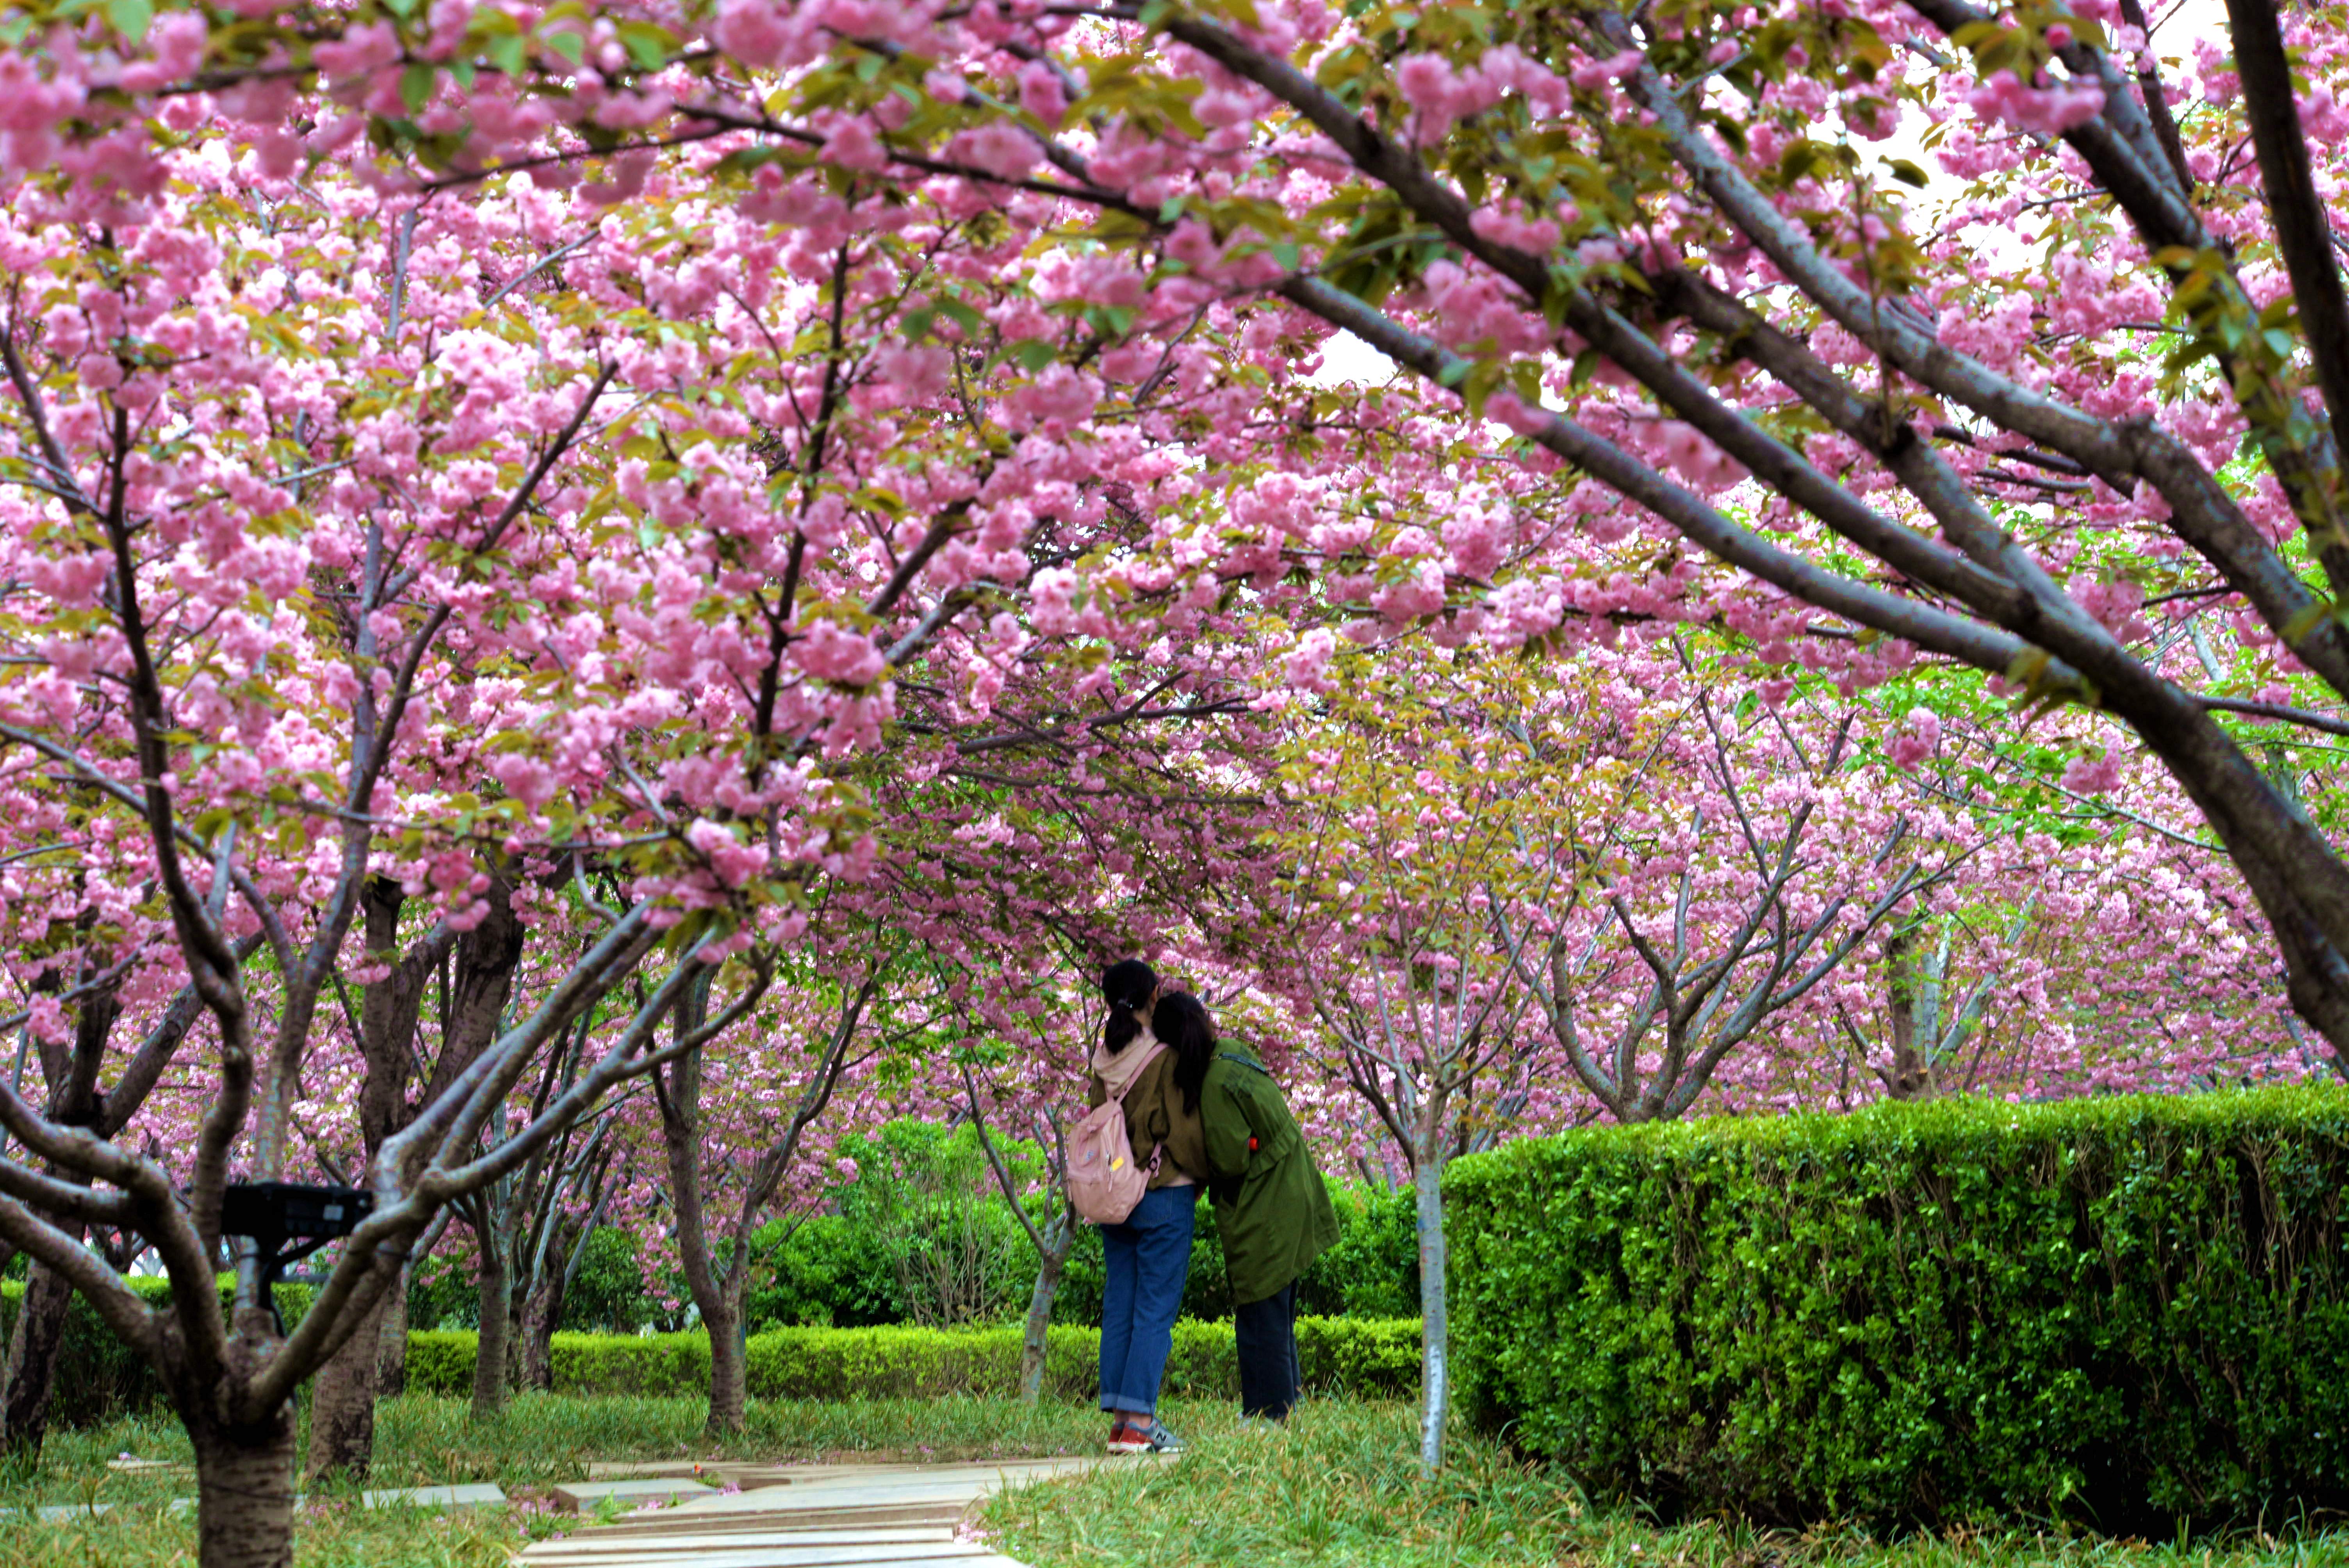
(607, 1294)
(98, 1376)
(924, 1193)
(441, 1360)
(2128, 1310)
(829, 1270)
(1376, 1360)
(1372, 1269)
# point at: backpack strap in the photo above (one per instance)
(1157, 1048)
(1243, 1062)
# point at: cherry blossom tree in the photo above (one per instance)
(1417, 786)
(488, 450)
(274, 653)
(739, 1125)
(1725, 909)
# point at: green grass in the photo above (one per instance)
(1342, 1489)
(325, 1535)
(423, 1440)
(1339, 1489)
(543, 1440)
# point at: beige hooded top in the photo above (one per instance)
(1153, 1111)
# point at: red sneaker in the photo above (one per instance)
(1125, 1438)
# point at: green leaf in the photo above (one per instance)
(131, 18)
(415, 86)
(648, 45)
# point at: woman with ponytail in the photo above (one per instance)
(1151, 1054)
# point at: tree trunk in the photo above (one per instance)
(392, 1345)
(516, 1342)
(539, 1311)
(244, 1493)
(1434, 1336)
(1911, 1075)
(342, 1403)
(32, 1371)
(1059, 1241)
(497, 1326)
(729, 1385)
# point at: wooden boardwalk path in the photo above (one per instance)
(795, 1516)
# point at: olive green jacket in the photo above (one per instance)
(1272, 1210)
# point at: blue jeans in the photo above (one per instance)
(1148, 1258)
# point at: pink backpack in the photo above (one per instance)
(1105, 1181)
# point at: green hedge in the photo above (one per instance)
(1373, 1357)
(2130, 1311)
(97, 1376)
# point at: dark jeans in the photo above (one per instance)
(1264, 1335)
(1148, 1257)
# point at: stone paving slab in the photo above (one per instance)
(572, 1496)
(604, 1544)
(476, 1494)
(715, 1472)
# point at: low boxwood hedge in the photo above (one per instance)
(2130, 1311)
(97, 1378)
(1367, 1358)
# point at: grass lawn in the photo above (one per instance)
(1341, 1489)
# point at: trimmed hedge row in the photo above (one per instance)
(97, 1376)
(2132, 1311)
(1377, 1357)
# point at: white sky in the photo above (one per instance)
(1347, 360)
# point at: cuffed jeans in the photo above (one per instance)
(1148, 1257)
(1264, 1333)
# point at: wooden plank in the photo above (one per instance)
(946, 1513)
(792, 1499)
(817, 1516)
(846, 1556)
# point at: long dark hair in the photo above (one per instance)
(1126, 987)
(1181, 1020)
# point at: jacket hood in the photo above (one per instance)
(1116, 1071)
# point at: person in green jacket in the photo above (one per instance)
(1272, 1210)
